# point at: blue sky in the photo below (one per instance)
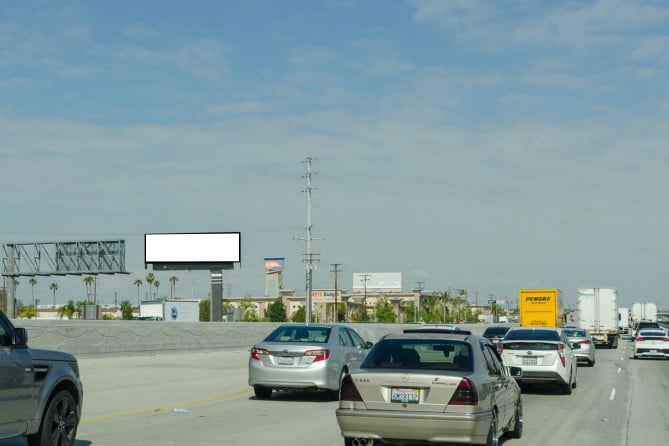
(485, 145)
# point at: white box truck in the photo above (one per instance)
(644, 311)
(598, 313)
(624, 320)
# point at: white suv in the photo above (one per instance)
(544, 354)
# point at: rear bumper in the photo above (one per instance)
(541, 376)
(314, 377)
(648, 353)
(414, 426)
(585, 356)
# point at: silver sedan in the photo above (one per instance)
(312, 357)
(424, 388)
(582, 337)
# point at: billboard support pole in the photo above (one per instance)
(216, 301)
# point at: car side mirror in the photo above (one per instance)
(515, 372)
(368, 345)
(20, 337)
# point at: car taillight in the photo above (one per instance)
(585, 342)
(257, 352)
(639, 339)
(561, 355)
(318, 355)
(465, 394)
(348, 390)
(500, 348)
(665, 340)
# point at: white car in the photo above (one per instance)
(544, 354)
(651, 342)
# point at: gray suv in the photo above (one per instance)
(40, 391)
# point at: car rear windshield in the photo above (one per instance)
(423, 354)
(647, 325)
(495, 331)
(574, 333)
(545, 346)
(532, 335)
(289, 333)
(652, 334)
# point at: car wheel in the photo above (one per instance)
(262, 393)
(518, 421)
(566, 388)
(591, 363)
(493, 438)
(59, 422)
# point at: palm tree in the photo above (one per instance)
(53, 287)
(156, 284)
(32, 283)
(150, 278)
(173, 286)
(88, 281)
(138, 283)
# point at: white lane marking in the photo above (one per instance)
(613, 394)
(619, 369)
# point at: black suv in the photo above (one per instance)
(643, 325)
(40, 391)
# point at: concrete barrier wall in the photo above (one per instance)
(121, 337)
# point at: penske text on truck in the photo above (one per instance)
(540, 308)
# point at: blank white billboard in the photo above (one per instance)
(203, 247)
(377, 281)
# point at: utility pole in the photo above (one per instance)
(364, 279)
(309, 257)
(335, 269)
(420, 289)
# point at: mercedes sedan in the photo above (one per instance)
(425, 388)
(311, 357)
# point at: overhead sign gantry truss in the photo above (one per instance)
(63, 258)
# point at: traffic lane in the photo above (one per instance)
(649, 406)
(285, 419)
(588, 416)
(215, 403)
(128, 384)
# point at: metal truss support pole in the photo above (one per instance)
(216, 302)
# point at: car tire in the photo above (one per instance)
(59, 422)
(591, 363)
(566, 388)
(262, 392)
(493, 437)
(518, 421)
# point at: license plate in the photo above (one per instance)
(410, 396)
(529, 361)
(285, 360)
(653, 351)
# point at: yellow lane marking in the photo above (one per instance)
(165, 408)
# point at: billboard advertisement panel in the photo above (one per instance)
(377, 281)
(203, 247)
(325, 296)
(273, 264)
